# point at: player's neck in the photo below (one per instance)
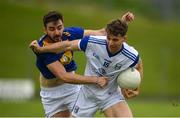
(115, 50)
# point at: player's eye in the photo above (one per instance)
(115, 39)
(51, 28)
(108, 38)
(59, 27)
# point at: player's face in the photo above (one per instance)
(55, 30)
(114, 43)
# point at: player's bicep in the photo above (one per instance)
(139, 67)
(57, 69)
(99, 32)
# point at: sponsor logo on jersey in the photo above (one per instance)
(76, 109)
(66, 58)
(118, 66)
(66, 34)
(96, 56)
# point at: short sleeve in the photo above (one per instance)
(48, 58)
(135, 62)
(83, 43)
(73, 33)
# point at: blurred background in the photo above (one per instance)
(155, 33)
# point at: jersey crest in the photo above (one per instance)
(66, 58)
(66, 34)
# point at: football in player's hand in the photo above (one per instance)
(129, 79)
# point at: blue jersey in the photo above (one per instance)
(66, 58)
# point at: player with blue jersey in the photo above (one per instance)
(57, 77)
(106, 56)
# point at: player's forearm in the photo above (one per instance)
(59, 71)
(56, 47)
(78, 79)
(60, 47)
(102, 32)
(99, 32)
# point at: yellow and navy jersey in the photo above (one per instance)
(66, 58)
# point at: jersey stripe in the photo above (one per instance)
(130, 53)
(97, 42)
(129, 56)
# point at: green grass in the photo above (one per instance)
(155, 108)
(140, 108)
(21, 109)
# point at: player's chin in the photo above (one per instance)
(56, 39)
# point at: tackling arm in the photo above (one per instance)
(59, 71)
(55, 47)
(72, 45)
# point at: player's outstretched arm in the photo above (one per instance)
(59, 71)
(55, 47)
(127, 17)
(71, 45)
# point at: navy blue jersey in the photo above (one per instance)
(65, 58)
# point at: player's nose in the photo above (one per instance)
(111, 43)
(57, 32)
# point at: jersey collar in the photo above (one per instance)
(110, 54)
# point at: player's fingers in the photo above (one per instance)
(136, 92)
(102, 81)
(33, 43)
(129, 93)
(132, 94)
(129, 17)
(125, 93)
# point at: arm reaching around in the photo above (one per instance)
(66, 45)
(59, 71)
(56, 47)
(127, 17)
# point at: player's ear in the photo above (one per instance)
(45, 30)
(125, 38)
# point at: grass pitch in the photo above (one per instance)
(140, 108)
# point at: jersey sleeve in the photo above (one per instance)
(48, 58)
(83, 43)
(135, 62)
(131, 53)
(73, 33)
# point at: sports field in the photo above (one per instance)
(156, 40)
(140, 108)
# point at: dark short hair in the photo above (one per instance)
(117, 27)
(51, 17)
